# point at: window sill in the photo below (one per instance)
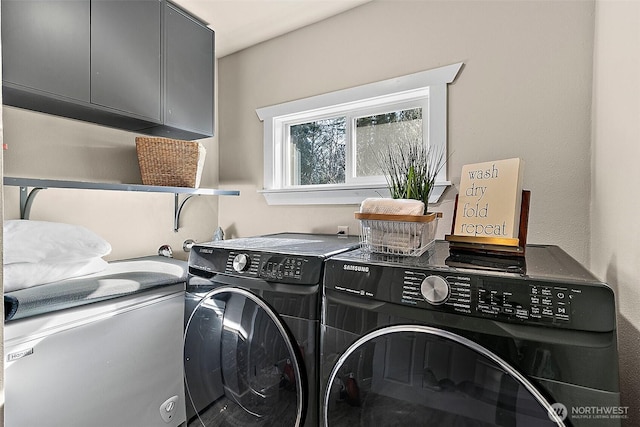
(336, 195)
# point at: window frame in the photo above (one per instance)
(430, 85)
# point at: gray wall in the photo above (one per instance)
(525, 91)
(136, 224)
(615, 194)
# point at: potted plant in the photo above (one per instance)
(411, 170)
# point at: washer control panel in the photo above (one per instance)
(271, 267)
(291, 269)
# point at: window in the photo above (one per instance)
(324, 149)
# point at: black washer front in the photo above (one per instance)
(247, 369)
(251, 329)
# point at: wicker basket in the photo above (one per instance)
(170, 162)
(409, 235)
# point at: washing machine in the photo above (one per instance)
(458, 339)
(251, 342)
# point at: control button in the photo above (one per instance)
(562, 311)
(547, 311)
(241, 263)
(435, 289)
(464, 306)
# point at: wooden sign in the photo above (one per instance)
(489, 200)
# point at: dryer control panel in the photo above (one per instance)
(489, 297)
(546, 302)
(507, 298)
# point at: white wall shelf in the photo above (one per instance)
(27, 196)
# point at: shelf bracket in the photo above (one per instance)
(26, 196)
(26, 200)
(177, 210)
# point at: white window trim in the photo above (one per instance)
(434, 81)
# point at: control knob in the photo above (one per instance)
(435, 289)
(241, 263)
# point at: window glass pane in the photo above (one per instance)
(374, 133)
(317, 152)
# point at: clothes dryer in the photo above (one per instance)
(461, 340)
(251, 329)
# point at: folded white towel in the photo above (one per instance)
(379, 205)
(394, 243)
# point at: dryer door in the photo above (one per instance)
(242, 366)
(417, 375)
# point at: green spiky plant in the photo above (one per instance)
(411, 170)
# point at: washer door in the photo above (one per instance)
(242, 366)
(418, 375)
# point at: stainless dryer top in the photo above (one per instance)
(293, 258)
(314, 245)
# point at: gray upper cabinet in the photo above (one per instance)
(189, 53)
(138, 65)
(45, 46)
(126, 56)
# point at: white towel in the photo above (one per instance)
(379, 205)
(393, 237)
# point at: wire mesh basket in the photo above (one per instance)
(409, 235)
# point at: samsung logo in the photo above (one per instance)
(205, 251)
(359, 268)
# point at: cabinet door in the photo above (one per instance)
(125, 56)
(189, 73)
(45, 46)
